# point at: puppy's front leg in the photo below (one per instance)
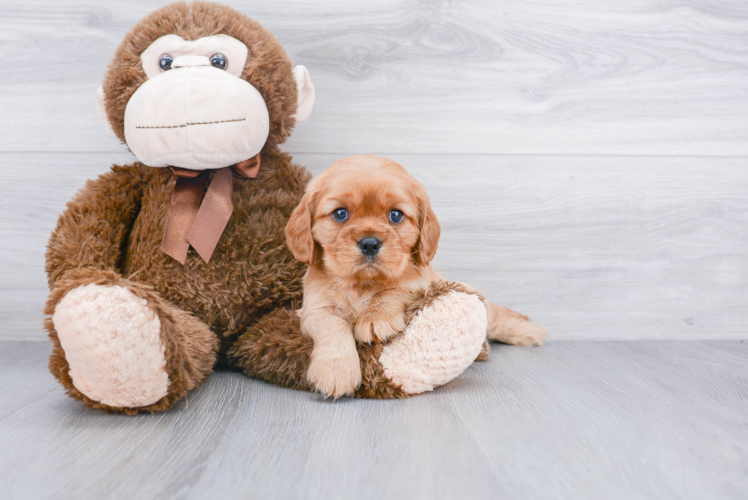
(382, 319)
(335, 369)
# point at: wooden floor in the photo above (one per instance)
(645, 419)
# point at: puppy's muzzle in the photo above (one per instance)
(369, 246)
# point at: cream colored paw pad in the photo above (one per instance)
(438, 345)
(112, 342)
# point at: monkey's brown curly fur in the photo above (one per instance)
(240, 305)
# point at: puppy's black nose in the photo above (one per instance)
(369, 246)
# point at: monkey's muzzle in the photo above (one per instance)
(196, 117)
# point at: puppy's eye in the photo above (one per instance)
(396, 216)
(164, 62)
(219, 61)
(340, 215)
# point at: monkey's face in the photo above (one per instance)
(211, 101)
(195, 111)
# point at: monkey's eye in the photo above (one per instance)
(340, 215)
(219, 61)
(165, 61)
(396, 216)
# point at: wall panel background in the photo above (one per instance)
(587, 160)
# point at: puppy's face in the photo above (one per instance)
(365, 220)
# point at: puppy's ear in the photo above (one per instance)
(299, 231)
(428, 238)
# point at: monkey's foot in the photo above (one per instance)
(112, 342)
(439, 343)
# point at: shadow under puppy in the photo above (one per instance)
(367, 230)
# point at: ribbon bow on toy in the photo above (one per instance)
(201, 225)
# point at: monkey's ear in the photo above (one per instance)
(306, 93)
(101, 111)
(299, 232)
(428, 239)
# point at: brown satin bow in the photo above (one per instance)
(190, 222)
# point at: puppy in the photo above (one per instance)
(368, 233)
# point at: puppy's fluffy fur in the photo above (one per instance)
(350, 296)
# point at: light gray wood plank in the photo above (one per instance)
(640, 419)
(635, 413)
(24, 375)
(665, 77)
(590, 247)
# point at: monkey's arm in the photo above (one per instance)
(445, 333)
(91, 232)
(94, 315)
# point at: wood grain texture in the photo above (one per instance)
(607, 420)
(615, 246)
(587, 161)
(662, 77)
(590, 247)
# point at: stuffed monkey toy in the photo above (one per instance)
(161, 269)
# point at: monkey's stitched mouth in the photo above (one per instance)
(191, 124)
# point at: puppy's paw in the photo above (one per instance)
(525, 333)
(335, 375)
(373, 326)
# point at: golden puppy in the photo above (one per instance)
(367, 230)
